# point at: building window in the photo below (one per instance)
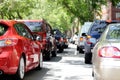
(117, 15)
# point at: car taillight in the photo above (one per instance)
(109, 52)
(81, 38)
(88, 36)
(8, 42)
(88, 42)
(61, 39)
(65, 40)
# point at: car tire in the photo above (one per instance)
(88, 57)
(81, 51)
(61, 50)
(54, 53)
(48, 55)
(39, 67)
(77, 48)
(21, 69)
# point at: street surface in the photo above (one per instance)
(68, 65)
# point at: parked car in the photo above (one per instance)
(43, 29)
(19, 49)
(106, 54)
(95, 31)
(65, 40)
(59, 40)
(82, 36)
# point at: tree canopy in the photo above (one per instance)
(59, 13)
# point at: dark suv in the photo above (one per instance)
(59, 40)
(95, 31)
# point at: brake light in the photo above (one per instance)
(61, 39)
(81, 38)
(88, 36)
(8, 42)
(65, 40)
(109, 52)
(88, 42)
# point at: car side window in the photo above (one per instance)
(21, 30)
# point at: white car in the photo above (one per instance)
(82, 36)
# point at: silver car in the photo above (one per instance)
(106, 54)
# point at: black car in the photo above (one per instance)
(59, 40)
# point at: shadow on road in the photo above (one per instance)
(30, 75)
(35, 74)
(55, 59)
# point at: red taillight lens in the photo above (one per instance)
(88, 36)
(88, 42)
(61, 39)
(109, 52)
(8, 42)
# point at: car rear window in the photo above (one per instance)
(34, 26)
(98, 27)
(3, 29)
(114, 32)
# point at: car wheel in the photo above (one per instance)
(40, 62)
(88, 57)
(81, 50)
(54, 53)
(21, 69)
(61, 49)
(48, 55)
(77, 48)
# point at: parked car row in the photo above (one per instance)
(93, 31)
(61, 40)
(24, 44)
(105, 54)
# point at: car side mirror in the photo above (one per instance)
(39, 38)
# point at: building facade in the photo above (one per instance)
(110, 12)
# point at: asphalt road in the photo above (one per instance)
(68, 65)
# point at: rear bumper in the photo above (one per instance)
(9, 60)
(108, 70)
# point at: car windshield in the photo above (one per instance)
(34, 26)
(114, 32)
(3, 29)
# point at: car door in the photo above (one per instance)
(30, 47)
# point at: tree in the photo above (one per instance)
(15, 9)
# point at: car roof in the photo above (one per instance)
(8, 22)
(30, 20)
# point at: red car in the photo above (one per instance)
(19, 49)
(43, 29)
